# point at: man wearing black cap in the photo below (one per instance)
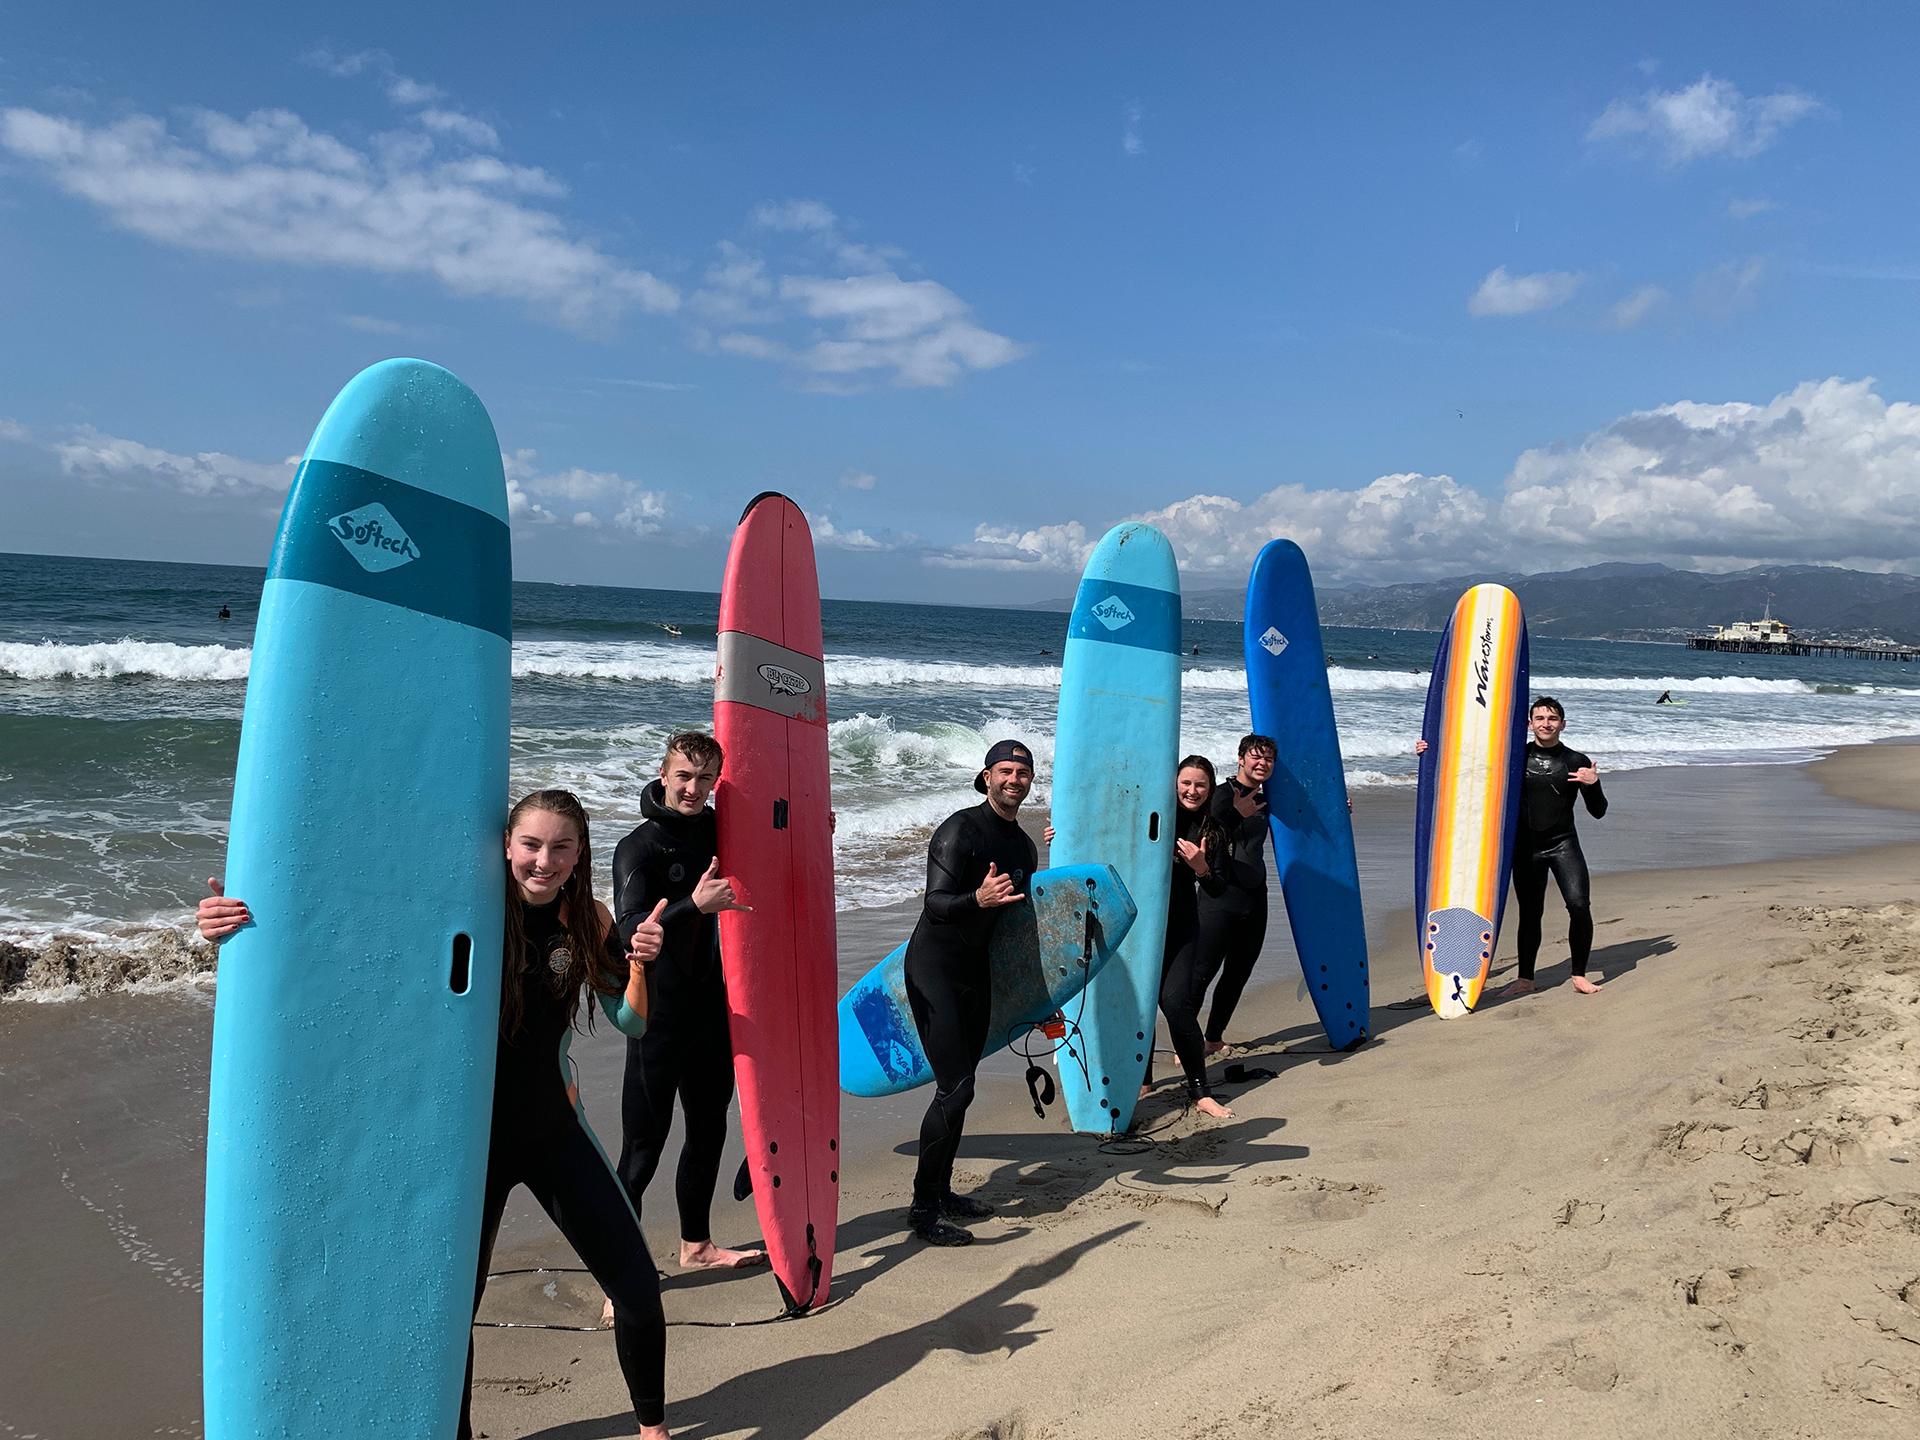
(979, 863)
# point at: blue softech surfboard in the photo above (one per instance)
(1114, 758)
(355, 1025)
(1307, 796)
(1043, 954)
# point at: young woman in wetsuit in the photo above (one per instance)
(560, 944)
(1200, 867)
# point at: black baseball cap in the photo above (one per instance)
(1002, 750)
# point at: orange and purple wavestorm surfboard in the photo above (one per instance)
(1469, 805)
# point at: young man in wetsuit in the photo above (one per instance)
(686, 1050)
(979, 863)
(1233, 921)
(1546, 842)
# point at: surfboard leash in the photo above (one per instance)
(790, 1313)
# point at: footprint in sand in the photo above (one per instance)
(1687, 1140)
(1308, 1197)
(1580, 1214)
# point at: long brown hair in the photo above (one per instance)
(591, 966)
(1212, 839)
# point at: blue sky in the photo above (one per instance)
(974, 282)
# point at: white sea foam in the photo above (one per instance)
(112, 660)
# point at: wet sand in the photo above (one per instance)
(1688, 1201)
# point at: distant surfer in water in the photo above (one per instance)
(1201, 847)
(1666, 698)
(670, 856)
(225, 613)
(560, 944)
(1233, 920)
(979, 863)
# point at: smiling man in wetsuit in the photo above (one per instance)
(979, 862)
(686, 1051)
(1233, 922)
(1547, 843)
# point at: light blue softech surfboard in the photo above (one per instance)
(1114, 759)
(1043, 954)
(354, 1031)
(1307, 796)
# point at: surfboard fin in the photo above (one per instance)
(743, 1182)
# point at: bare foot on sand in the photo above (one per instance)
(1214, 1047)
(705, 1255)
(1586, 986)
(1146, 1090)
(654, 1432)
(1207, 1105)
(1517, 987)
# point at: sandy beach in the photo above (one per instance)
(1690, 1203)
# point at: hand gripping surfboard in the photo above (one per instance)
(355, 1026)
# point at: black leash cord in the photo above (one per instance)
(789, 1314)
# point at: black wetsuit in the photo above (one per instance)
(948, 982)
(1547, 842)
(540, 1140)
(1188, 967)
(686, 1051)
(1233, 919)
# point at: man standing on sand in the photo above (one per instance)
(1547, 842)
(686, 1051)
(1233, 924)
(978, 864)
(1555, 773)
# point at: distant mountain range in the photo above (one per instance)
(1628, 602)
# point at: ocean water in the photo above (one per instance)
(121, 694)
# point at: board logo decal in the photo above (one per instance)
(1273, 642)
(1483, 667)
(783, 681)
(1113, 613)
(373, 537)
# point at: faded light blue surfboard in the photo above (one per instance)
(1043, 954)
(1115, 753)
(354, 1030)
(1307, 796)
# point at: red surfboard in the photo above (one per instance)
(776, 841)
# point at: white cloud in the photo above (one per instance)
(14, 430)
(268, 188)
(1828, 472)
(1131, 114)
(475, 132)
(539, 497)
(866, 324)
(851, 479)
(1708, 118)
(1746, 207)
(794, 215)
(402, 90)
(1628, 313)
(90, 455)
(1504, 294)
(1046, 547)
(835, 537)
(1729, 288)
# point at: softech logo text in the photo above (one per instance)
(1113, 613)
(373, 537)
(1483, 667)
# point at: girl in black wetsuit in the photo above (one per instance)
(1199, 867)
(560, 943)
